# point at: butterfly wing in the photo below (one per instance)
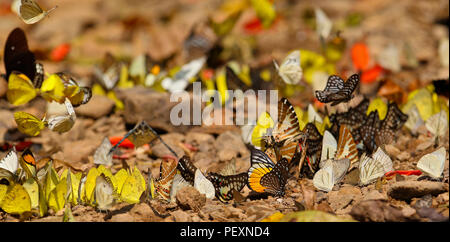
(163, 184)
(10, 162)
(225, 184)
(432, 164)
(203, 185)
(287, 127)
(102, 155)
(187, 169)
(290, 70)
(28, 124)
(323, 179)
(369, 170)
(17, 56)
(261, 165)
(369, 131)
(329, 146)
(20, 89)
(31, 12)
(275, 180)
(104, 192)
(346, 147)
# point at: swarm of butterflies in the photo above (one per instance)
(324, 148)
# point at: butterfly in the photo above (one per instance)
(107, 74)
(329, 146)
(337, 91)
(102, 155)
(10, 162)
(130, 185)
(346, 147)
(266, 176)
(432, 164)
(177, 184)
(290, 70)
(282, 140)
(313, 140)
(104, 192)
(28, 163)
(323, 24)
(187, 169)
(18, 57)
(369, 131)
(437, 124)
(393, 122)
(76, 94)
(163, 184)
(332, 171)
(31, 12)
(225, 184)
(142, 134)
(181, 79)
(371, 169)
(15, 200)
(203, 184)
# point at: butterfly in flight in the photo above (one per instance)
(142, 134)
(264, 176)
(283, 139)
(19, 58)
(337, 91)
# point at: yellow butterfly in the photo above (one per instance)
(20, 89)
(133, 187)
(263, 123)
(379, 105)
(265, 11)
(16, 199)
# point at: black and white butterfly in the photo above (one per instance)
(337, 91)
(225, 186)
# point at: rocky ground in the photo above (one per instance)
(402, 198)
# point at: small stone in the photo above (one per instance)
(143, 213)
(392, 150)
(96, 108)
(424, 145)
(406, 190)
(122, 217)
(404, 156)
(375, 195)
(181, 216)
(190, 198)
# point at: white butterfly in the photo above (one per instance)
(332, 172)
(61, 122)
(323, 24)
(372, 168)
(10, 162)
(414, 119)
(329, 146)
(30, 12)
(177, 183)
(203, 185)
(181, 79)
(290, 70)
(104, 193)
(432, 164)
(246, 132)
(324, 179)
(437, 124)
(102, 155)
(313, 115)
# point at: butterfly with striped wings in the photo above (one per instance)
(163, 185)
(337, 91)
(346, 147)
(187, 169)
(282, 141)
(266, 176)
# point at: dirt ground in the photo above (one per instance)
(158, 28)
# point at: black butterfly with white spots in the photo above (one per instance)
(337, 91)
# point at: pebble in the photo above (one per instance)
(189, 198)
(96, 108)
(406, 190)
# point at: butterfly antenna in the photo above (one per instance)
(164, 143)
(120, 142)
(55, 7)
